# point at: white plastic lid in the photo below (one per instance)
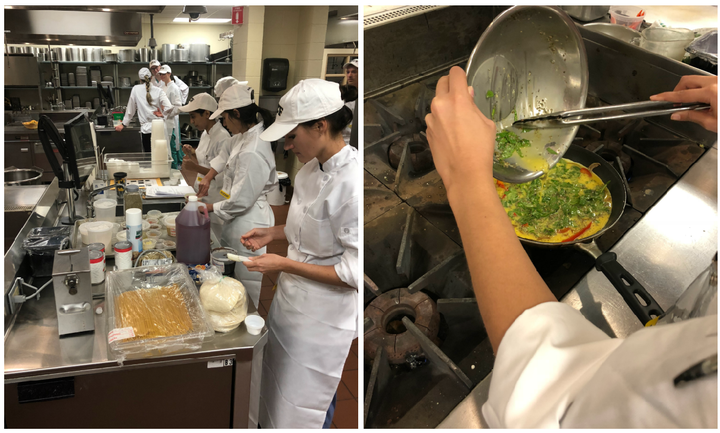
(192, 198)
(282, 175)
(133, 217)
(105, 203)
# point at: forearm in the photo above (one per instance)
(210, 175)
(278, 232)
(202, 170)
(320, 273)
(505, 281)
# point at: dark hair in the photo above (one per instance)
(248, 115)
(337, 121)
(348, 93)
(201, 111)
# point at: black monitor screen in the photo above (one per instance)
(79, 134)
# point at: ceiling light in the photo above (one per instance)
(27, 43)
(107, 40)
(106, 10)
(204, 20)
(47, 39)
(8, 7)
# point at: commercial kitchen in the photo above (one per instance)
(69, 72)
(428, 360)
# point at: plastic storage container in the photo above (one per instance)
(41, 244)
(626, 16)
(192, 227)
(105, 210)
(667, 42)
(137, 165)
(144, 327)
(169, 222)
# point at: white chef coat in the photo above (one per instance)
(249, 176)
(172, 121)
(348, 129)
(184, 89)
(311, 324)
(556, 369)
(138, 104)
(208, 148)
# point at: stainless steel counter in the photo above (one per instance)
(665, 251)
(184, 389)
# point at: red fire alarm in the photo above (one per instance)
(237, 14)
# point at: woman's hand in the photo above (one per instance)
(119, 127)
(461, 138)
(256, 239)
(204, 187)
(694, 88)
(189, 151)
(267, 263)
(189, 163)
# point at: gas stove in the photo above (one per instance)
(425, 345)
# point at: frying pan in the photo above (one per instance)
(628, 287)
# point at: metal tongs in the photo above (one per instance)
(591, 115)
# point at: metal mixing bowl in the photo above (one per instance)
(533, 59)
(23, 176)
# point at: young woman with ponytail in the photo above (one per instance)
(249, 175)
(313, 318)
(149, 102)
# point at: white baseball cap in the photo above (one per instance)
(201, 101)
(144, 72)
(225, 83)
(310, 99)
(237, 96)
(154, 63)
(165, 69)
(353, 62)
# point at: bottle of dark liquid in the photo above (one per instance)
(192, 228)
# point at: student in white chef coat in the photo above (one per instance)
(201, 107)
(172, 122)
(313, 318)
(248, 177)
(157, 81)
(553, 368)
(149, 103)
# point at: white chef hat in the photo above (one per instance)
(353, 62)
(144, 72)
(154, 63)
(237, 96)
(309, 100)
(225, 83)
(165, 69)
(201, 101)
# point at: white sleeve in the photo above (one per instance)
(218, 163)
(251, 174)
(130, 110)
(184, 89)
(344, 223)
(549, 353)
(176, 101)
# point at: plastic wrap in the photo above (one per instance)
(705, 47)
(224, 299)
(698, 300)
(152, 311)
(41, 244)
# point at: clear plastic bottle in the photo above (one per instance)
(192, 229)
(132, 198)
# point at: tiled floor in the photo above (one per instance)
(346, 410)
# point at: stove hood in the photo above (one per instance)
(65, 27)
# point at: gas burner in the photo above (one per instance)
(387, 330)
(420, 156)
(610, 150)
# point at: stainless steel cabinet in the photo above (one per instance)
(18, 153)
